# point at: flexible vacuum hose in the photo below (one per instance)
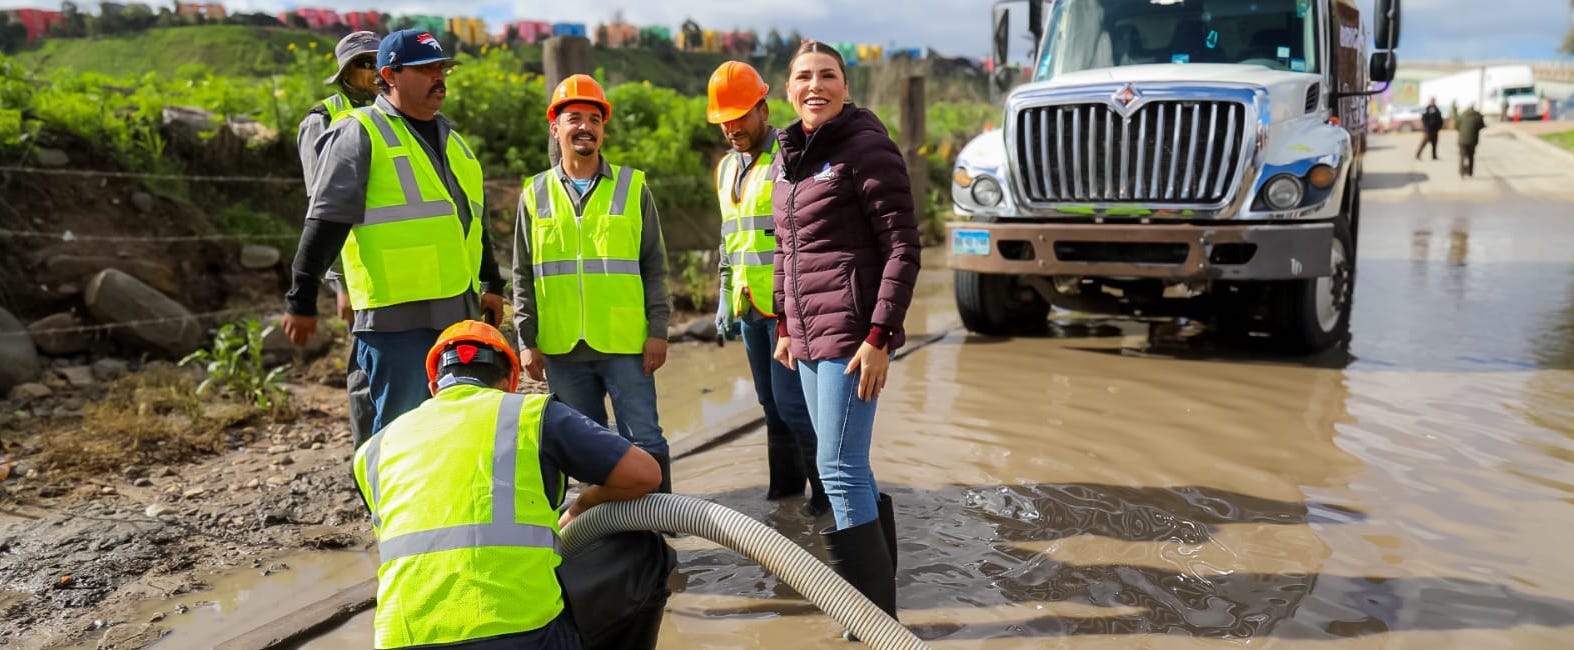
(737, 531)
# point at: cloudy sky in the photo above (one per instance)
(1434, 30)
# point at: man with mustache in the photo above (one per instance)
(355, 85)
(590, 276)
(398, 195)
(736, 102)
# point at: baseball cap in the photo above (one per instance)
(349, 47)
(410, 47)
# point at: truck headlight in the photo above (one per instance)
(1283, 192)
(986, 191)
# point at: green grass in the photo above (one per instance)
(1564, 139)
(237, 50)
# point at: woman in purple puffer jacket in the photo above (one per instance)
(846, 261)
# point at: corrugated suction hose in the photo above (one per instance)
(737, 531)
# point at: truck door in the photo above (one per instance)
(1349, 70)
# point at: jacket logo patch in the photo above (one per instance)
(826, 173)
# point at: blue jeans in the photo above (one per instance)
(395, 367)
(585, 386)
(844, 425)
(780, 393)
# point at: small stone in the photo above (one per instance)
(142, 482)
(258, 256)
(193, 493)
(31, 473)
(51, 157)
(159, 616)
(133, 471)
(304, 444)
(163, 472)
(157, 510)
(278, 481)
(316, 446)
(78, 376)
(173, 490)
(106, 490)
(181, 608)
(25, 393)
(108, 369)
(279, 449)
(143, 202)
(254, 483)
(286, 460)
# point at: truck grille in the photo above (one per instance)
(1165, 151)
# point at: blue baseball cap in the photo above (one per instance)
(410, 47)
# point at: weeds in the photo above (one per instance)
(235, 364)
(696, 278)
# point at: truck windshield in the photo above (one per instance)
(1090, 34)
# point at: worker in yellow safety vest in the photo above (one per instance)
(464, 492)
(355, 85)
(736, 102)
(399, 193)
(590, 276)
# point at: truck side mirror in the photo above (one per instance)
(1002, 36)
(1383, 66)
(1387, 24)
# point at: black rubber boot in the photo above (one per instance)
(859, 556)
(786, 464)
(665, 461)
(888, 526)
(818, 504)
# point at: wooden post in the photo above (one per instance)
(913, 128)
(561, 58)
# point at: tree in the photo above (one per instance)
(13, 34)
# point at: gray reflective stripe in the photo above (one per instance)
(753, 259)
(561, 267)
(505, 450)
(543, 198)
(390, 137)
(468, 536)
(463, 146)
(620, 196)
(731, 226)
(612, 267)
(374, 450)
(414, 207)
(502, 530)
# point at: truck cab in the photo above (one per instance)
(1193, 158)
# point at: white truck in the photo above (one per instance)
(1191, 158)
(1489, 89)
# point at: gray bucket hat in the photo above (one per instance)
(351, 46)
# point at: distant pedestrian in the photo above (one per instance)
(1431, 123)
(1470, 125)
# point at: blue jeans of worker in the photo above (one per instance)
(395, 367)
(844, 425)
(585, 386)
(779, 391)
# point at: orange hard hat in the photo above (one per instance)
(472, 341)
(579, 88)
(734, 89)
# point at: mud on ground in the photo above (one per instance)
(140, 489)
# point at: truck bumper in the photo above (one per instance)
(1168, 251)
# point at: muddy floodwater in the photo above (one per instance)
(1104, 488)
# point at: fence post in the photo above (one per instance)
(561, 58)
(913, 135)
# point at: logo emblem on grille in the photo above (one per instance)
(1125, 96)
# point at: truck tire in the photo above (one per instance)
(1314, 314)
(991, 305)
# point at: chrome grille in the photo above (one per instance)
(1165, 151)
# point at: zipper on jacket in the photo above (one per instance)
(792, 225)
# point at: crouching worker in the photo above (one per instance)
(464, 493)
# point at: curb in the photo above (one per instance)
(1542, 144)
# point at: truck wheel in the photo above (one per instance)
(1315, 313)
(993, 305)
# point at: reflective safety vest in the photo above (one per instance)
(747, 231)
(338, 106)
(467, 539)
(411, 246)
(588, 286)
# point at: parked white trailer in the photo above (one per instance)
(1488, 88)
